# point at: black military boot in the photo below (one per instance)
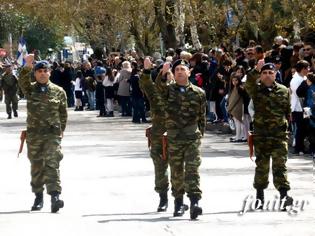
(15, 113)
(110, 114)
(56, 203)
(261, 196)
(38, 202)
(195, 210)
(9, 116)
(179, 207)
(288, 201)
(102, 114)
(163, 202)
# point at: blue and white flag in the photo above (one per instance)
(229, 18)
(22, 52)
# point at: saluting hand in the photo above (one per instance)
(260, 64)
(166, 68)
(29, 59)
(147, 64)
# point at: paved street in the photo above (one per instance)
(107, 179)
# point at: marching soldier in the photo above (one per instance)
(185, 107)
(9, 85)
(46, 122)
(272, 110)
(157, 130)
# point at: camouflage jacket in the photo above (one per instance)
(185, 108)
(46, 105)
(157, 106)
(272, 107)
(9, 84)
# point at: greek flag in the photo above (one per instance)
(22, 52)
(229, 18)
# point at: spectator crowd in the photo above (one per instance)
(112, 84)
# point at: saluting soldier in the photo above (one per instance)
(157, 130)
(46, 122)
(185, 107)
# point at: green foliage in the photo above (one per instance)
(114, 23)
(41, 38)
(37, 33)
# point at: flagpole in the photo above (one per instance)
(10, 43)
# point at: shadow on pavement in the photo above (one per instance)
(123, 214)
(14, 212)
(122, 219)
(222, 213)
(168, 219)
(164, 218)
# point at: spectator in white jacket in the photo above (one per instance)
(302, 69)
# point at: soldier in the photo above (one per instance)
(46, 122)
(9, 85)
(157, 113)
(185, 107)
(272, 110)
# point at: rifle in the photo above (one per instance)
(148, 133)
(251, 145)
(22, 138)
(164, 144)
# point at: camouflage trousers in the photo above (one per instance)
(11, 99)
(160, 165)
(265, 149)
(185, 159)
(44, 153)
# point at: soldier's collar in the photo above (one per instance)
(43, 85)
(44, 88)
(189, 85)
(274, 85)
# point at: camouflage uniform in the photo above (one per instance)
(46, 120)
(158, 129)
(272, 108)
(10, 88)
(185, 124)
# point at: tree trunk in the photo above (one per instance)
(180, 27)
(140, 45)
(193, 28)
(166, 22)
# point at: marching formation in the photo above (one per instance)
(266, 96)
